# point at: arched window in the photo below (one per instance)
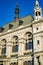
(36, 14)
(15, 44)
(27, 63)
(39, 13)
(28, 44)
(3, 49)
(3, 46)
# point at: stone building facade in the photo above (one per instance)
(21, 41)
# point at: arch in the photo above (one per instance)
(4, 40)
(27, 35)
(15, 38)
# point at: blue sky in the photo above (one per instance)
(7, 9)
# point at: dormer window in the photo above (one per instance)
(1, 29)
(20, 22)
(10, 26)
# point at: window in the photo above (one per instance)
(1, 29)
(38, 42)
(37, 28)
(10, 26)
(15, 48)
(15, 63)
(39, 13)
(27, 63)
(28, 45)
(20, 22)
(4, 50)
(36, 13)
(28, 37)
(38, 57)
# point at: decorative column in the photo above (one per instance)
(21, 47)
(7, 62)
(9, 49)
(41, 60)
(35, 61)
(20, 62)
(0, 49)
(21, 51)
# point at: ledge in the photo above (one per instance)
(27, 52)
(15, 54)
(2, 56)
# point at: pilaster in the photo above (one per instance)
(9, 49)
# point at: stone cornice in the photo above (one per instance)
(5, 33)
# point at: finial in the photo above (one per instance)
(16, 12)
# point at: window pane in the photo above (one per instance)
(30, 45)
(16, 48)
(5, 50)
(38, 42)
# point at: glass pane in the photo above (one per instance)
(4, 50)
(30, 45)
(16, 48)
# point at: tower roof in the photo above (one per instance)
(37, 3)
